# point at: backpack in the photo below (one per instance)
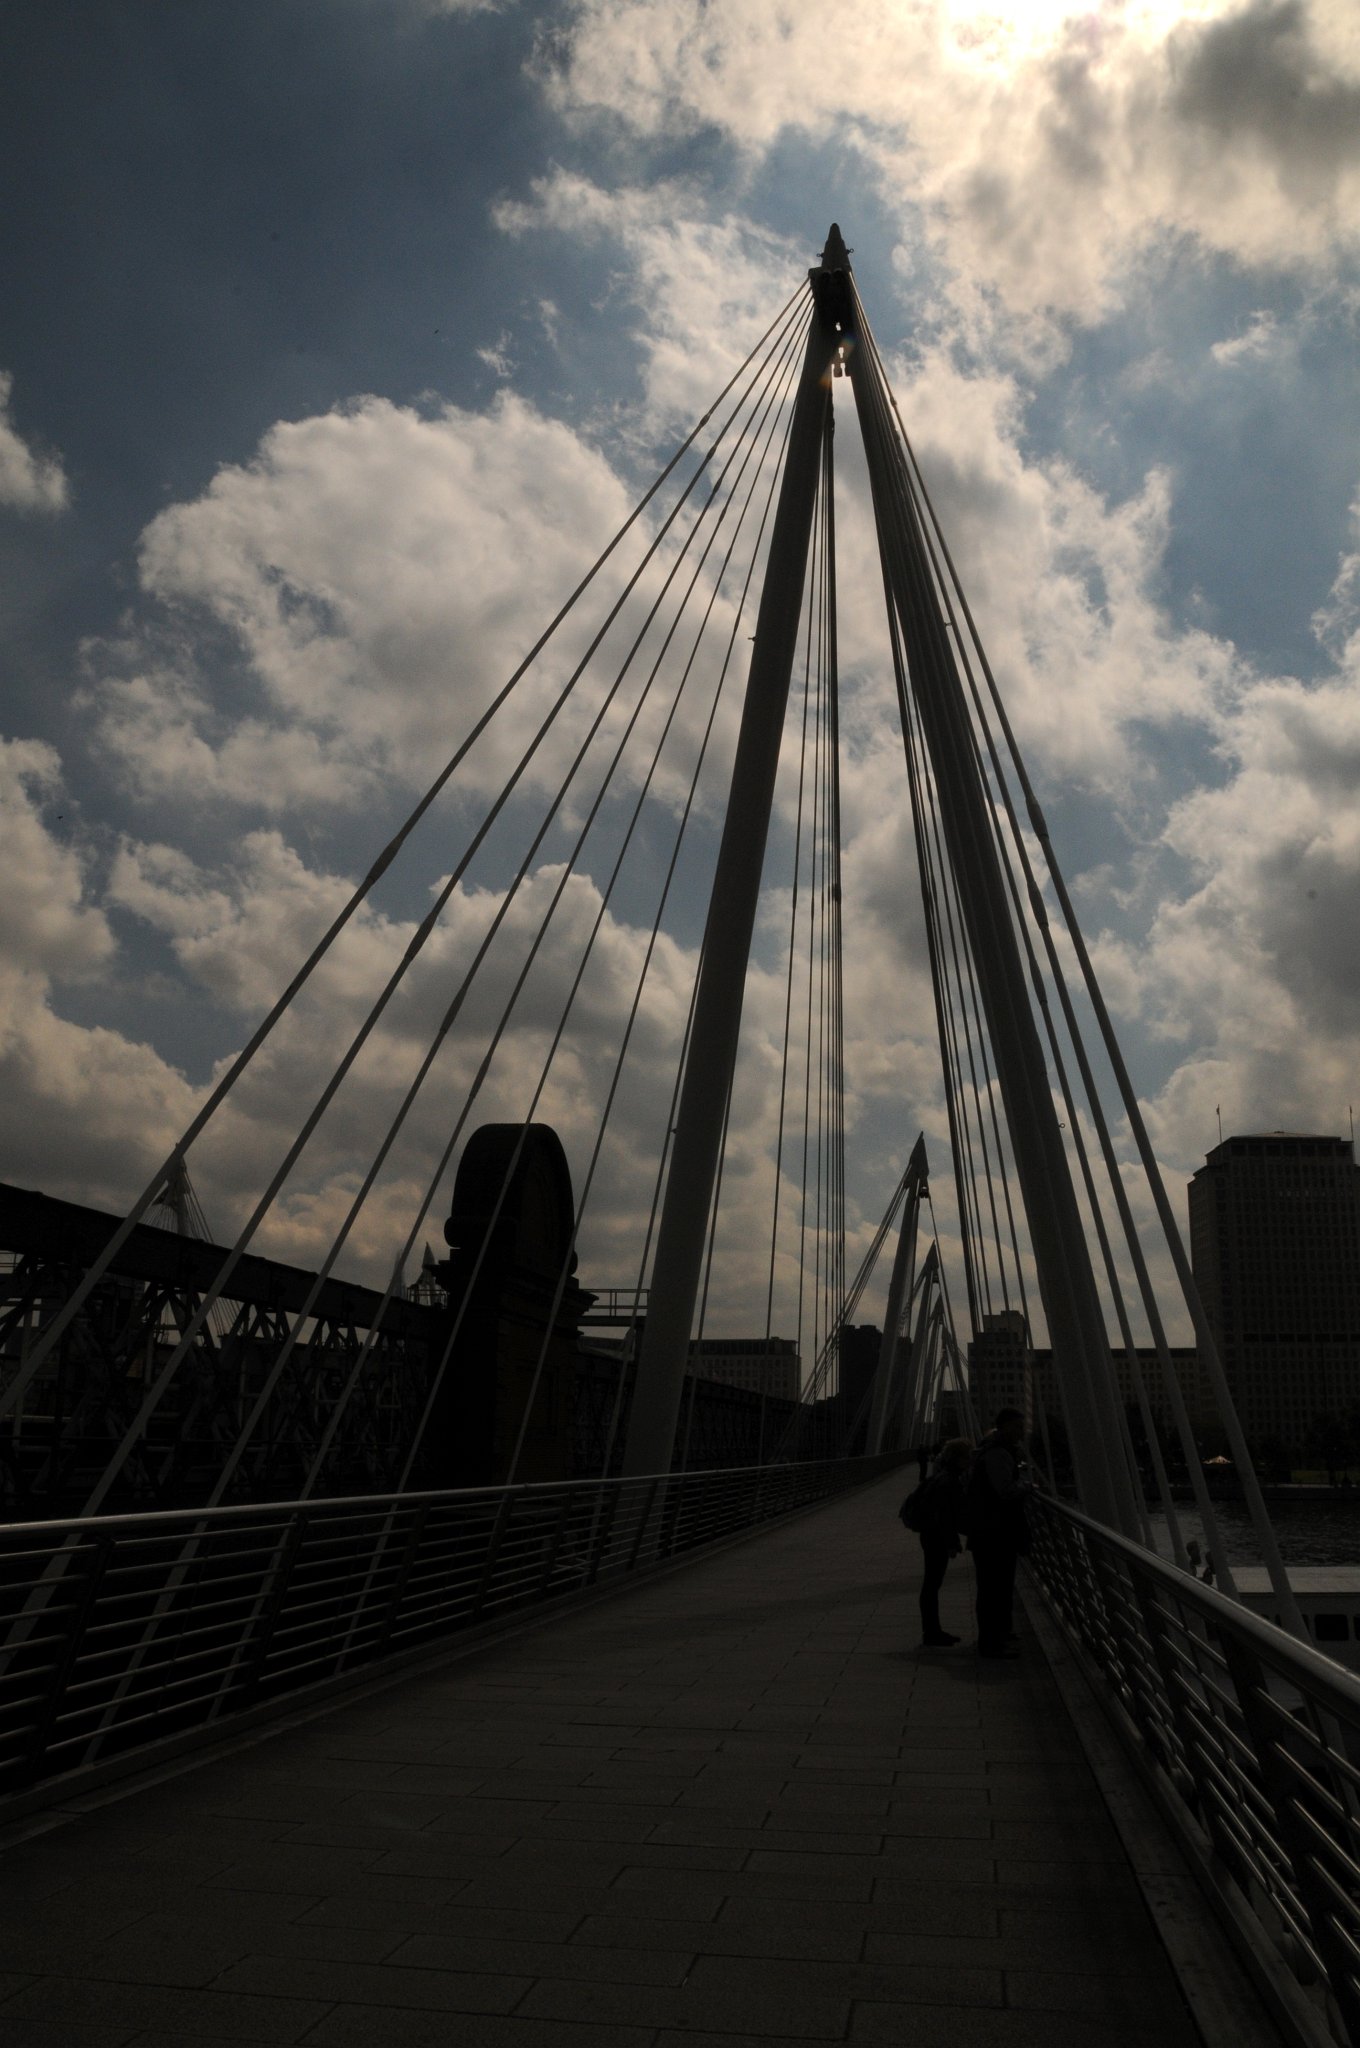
(918, 1511)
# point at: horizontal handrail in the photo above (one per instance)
(41, 1531)
(1254, 1737)
(124, 1631)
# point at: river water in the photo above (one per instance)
(1309, 1531)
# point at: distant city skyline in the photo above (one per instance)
(1274, 1237)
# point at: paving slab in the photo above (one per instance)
(736, 1804)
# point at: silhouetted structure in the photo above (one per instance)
(860, 1344)
(509, 1235)
(1275, 1239)
(1001, 1367)
(57, 1442)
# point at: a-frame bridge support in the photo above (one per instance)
(1066, 1281)
(736, 891)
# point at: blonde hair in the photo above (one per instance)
(955, 1451)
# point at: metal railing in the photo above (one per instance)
(127, 1630)
(1254, 1738)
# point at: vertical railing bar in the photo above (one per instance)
(498, 1529)
(409, 1555)
(103, 1551)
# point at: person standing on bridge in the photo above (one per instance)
(940, 1526)
(998, 1533)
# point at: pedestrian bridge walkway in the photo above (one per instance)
(734, 1803)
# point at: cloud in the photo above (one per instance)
(28, 482)
(497, 356)
(1260, 340)
(83, 1110)
(1041, 151)
(1067, 586)
(700, 288)
(47, 928)
(1337, 622)
(330, 618)
(1252, 966)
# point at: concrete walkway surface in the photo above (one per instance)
(737, 1804)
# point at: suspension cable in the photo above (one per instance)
(451, 1014)
(175, 1158)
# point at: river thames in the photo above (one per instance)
(1323, 1531)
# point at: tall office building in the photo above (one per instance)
(1001, 1368)
(1275, 1243)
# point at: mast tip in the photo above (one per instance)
(835, 256)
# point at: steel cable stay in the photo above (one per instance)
(569, 869)
(823, 936)
(813, 612)
(943, 952)
(602, 910)
(1114, 1422)
(813, 907)
(960, 1377)
(165, 1602)
(1071, 1302)
(826, 1199)
(787, 1039)
(976, 1265)
(1006, 1003)
(411, 953)
(949, 586)
(815, 1383)
(1074, 1126)
(966, 1029)
(174, 1161)
(590, 1173)
(1079, 1146)
(674, 1098)
(658, 1184)
(961, 1001)
(813, 1124)
(638, 991)
(1078, 1142)
(948, 581)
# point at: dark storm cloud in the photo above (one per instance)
(1259, 75)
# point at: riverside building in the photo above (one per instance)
(1275, 1243)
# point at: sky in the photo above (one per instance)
(337, 336)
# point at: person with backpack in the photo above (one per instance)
(998, 1533)
(935, 1512)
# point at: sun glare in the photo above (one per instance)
(1004, 31)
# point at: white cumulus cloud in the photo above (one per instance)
(29, 482)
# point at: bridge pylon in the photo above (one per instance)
(838, 331)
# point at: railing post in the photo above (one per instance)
(404, 1572)
(494, 1541)
(281, 1571)
(70, 1650)
(643, 1520)
(550, 1558)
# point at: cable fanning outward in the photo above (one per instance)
(595, 843)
